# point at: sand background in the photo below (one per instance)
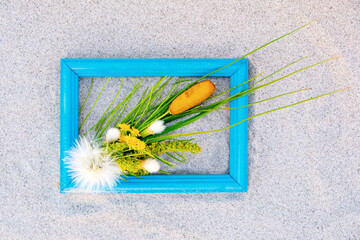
(304, 168)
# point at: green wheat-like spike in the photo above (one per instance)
(159, 148)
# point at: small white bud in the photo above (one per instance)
(151, 165)
(157, 127)
(112, 134)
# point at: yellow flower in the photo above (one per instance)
(133, 142)
(124, 127)
(135, 132)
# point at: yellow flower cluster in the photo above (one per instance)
(126, 128)
(133, 142)
(135, 132)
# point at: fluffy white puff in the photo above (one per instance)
(90, 168)
(151, 165)
(157, 127)
(112, 134)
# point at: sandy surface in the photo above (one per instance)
(304, 169)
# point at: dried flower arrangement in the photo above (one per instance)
(133, 144)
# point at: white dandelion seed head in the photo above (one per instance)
(151, 165)
(112, 135)
(157, 127)
(91, 168)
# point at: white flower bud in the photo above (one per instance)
(151, 165)
(157, 127)
(112, 134)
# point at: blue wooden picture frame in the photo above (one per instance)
(235, 181)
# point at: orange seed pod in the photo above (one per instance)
(192, 97)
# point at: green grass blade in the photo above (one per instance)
(250, 104)
(94, 104)
(162, 138)
(257, 49)
(159, 110)
(235, 86)
(183, 157)
(87, 96)
(165, 172)
(164, 161)
(228, 99)
(174, 157)
(116, 110)
(112, 102)
(278, 71)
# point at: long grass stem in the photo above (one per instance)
(87, 96)
(94, 104)
(162, 138)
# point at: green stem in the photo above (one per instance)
(162, 160)
(94, 104)
(162, 138)
(100, 123)
(257, 49)
(174, 157)
(87, 96)
(235, 86)
(250, 104)
(278, 71)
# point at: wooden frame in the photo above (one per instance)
(235, 181)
